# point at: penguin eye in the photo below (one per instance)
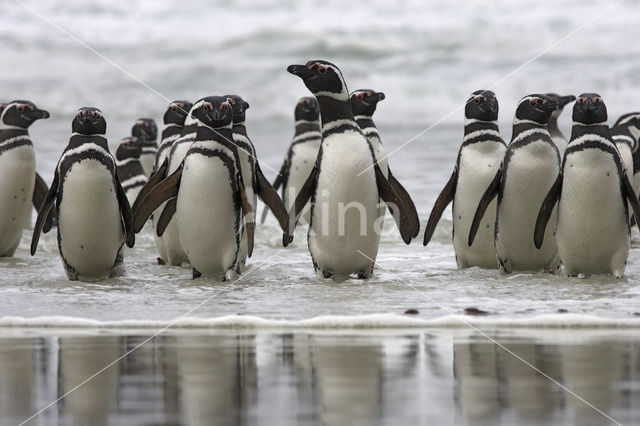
(599, 101)
(20, 108)
(174, 107)
(360, 96)
(476, 100)
(533, 102)
(97, 115)
(319, 68)
(79, 114)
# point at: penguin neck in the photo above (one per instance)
(78, 139)
(332, 110)
(554, 130)
(305, 126)
(7, 132)
(579, 130)
(473, 125)
(240, 128)
(365, 121)
(222, 135)
(524, 125)
(171, 129)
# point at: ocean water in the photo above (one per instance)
(130, 60)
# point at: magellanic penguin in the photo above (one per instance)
(94, 217)
(170, 249)
(479, 159)
(301, 155)
(128, 167)
(344, 186)
(591, 192)
(207, 195)
(21, 185)
(530, 166)
(626, 135)
(363, 105)
(558, 138)
(255, 183)
(146, 131)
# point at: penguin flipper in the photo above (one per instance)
(125, 212)
(406, 198)
(155, 178)
(398, 209)
(545, 211)
(43, 213)
(40, 191)
(276, 184)
(631, 196)
(307, 190)
(160, 193)
(271, 198)
(486, 199)
(443, 200)
(250, 224)
(166, 216)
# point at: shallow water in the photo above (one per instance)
(309, 377)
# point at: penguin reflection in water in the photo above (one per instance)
(93, 214)
(344, 186)
(530, 166)
(479, 159)
(592, 190)
(21, 185)
(207, 195)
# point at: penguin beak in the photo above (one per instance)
(39, 114)
(301, 71)
(218, 115)
(550, 105)
(380, 96)
(564, 100)
(245, 105)
(589, 105)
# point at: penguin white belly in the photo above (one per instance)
(627, 157)
(593, 229)
(530, 173)
(303, 158)
(17, 172)
(147, 158)
(342, 238)
(90, 231)
(174, 252)
(207, 217)
(479, 164)
(246, 163)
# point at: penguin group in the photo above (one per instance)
(539, 203)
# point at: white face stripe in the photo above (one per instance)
(190, 118)
(468, 121)
(363, 117)
(5, 110)
(479, 133)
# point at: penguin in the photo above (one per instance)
(363, 105)
(301, 155)
(207, 195)
(169, 248)
(255, 183)
(531, 165)
(21, 184)
(593, 231)
(146, 131)
(344, 186)
(128, 167)
(625, 133)
(558, 138)
(479, 158)
(94, 217)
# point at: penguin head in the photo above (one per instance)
(307, 109)
(482, 105)
(145, 128)
(239, 107)
(322, 78)
(214, 111)
(562, 101)
(537, 108)
(21, 114)
(631, 118)
(589, 109)
(128, 148)
(89, 121)
(364, 101)
(177, 112)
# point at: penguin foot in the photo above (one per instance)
(323, 274)
(365, 274)
(196, 274)
(160, 261)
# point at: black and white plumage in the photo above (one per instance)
(206, 193)
(363, 105)
(93, 214)
(558, 138)
(301, 155)
(342, 241)
(20, 185)
(530, 167)
(479, 159)
(626, 135)
(146, 131)
(129, 168)
(255, 183)
(592, 191)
